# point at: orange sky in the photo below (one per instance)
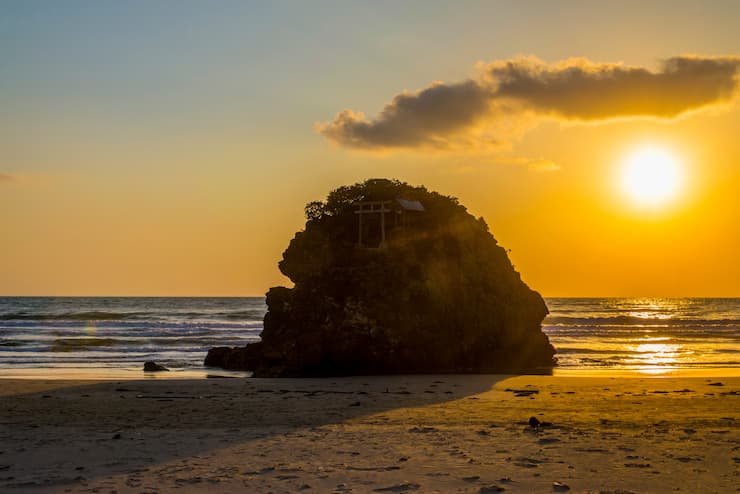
(148, 153)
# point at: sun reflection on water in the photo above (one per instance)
(645, 335)
(654, 358)
(649, 315)
(650, 353)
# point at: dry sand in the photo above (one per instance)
(371, 434)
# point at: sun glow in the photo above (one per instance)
(651, 176)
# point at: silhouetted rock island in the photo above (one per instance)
(389, 279)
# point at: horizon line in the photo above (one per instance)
(264, 295)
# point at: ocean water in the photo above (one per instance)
(648, 335)
(114, 336)
(99, 336)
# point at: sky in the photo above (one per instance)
(168, 148)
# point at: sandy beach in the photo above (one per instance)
(372, 434)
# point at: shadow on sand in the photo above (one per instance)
(56, 434)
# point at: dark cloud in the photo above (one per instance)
(582, 90)
(448, 115)
(426, 118)
(5, 178)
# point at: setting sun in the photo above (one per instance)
(651, 176)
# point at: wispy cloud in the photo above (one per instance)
(510, 96)
(543, 166)
(5, 178)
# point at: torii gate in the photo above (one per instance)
(373, 207)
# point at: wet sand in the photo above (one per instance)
(372, 434)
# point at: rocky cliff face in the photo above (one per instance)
(438, 296)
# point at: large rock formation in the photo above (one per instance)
(438, 296)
